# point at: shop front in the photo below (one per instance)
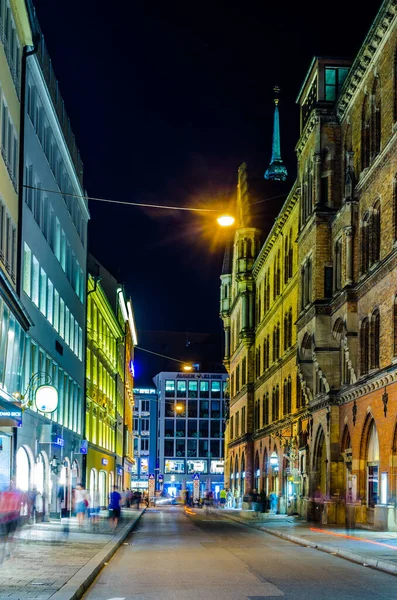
(178, 477)
(101, 468)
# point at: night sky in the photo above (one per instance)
(166, 100)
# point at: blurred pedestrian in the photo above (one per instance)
(222, 498)
(114, 507)
(82, 503)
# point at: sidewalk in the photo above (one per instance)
(376, 549)
(49, 562)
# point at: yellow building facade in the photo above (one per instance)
(103, 335)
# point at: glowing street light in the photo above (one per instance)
(179, 408)
(225, 220)
(187, 367)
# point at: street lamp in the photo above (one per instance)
(225, 220)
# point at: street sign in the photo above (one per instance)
(196, 477)
(83, 446)
(160, 478)
(151, 476)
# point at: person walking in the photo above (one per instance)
(114, 507)
(82, 503)
(222, 498)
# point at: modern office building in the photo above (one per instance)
(15, 35)
(191, 412)
(145, 437)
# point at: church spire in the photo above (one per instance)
(276, 170)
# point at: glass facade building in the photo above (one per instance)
(191, 412)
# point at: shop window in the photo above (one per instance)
(193, 389)
(169, 448)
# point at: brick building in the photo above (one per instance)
(337, 446)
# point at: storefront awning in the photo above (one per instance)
(10, 414)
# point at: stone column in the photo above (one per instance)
(349, 254)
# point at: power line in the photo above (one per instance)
(141, 204)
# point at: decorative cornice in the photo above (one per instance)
(366, 55)
(371, 383)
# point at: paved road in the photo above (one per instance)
(202, 557)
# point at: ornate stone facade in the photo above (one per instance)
(334, 441)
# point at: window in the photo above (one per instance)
(237, 424)
(215, 389)
(276, 342)
(181, 389)
(288, 257)
(35, 280)
(27, 269)
(237, 379)
(243, 421)
(204, 389)
(50, 301)
(169, 388)
(204, 409)
(288, 329)
(231, 432)
(275, 403)
(300, 401)
(364, 346)
(306, 283)
(334, 79)
(193, 389)
(376, 119)
(215, 409)
(307, 191)
(365, 133)
(266, 353)
(244, 370)
(287, 396)
(370, 238)
(192, 408)
(338, 265)
(375, 339)
(43, 292)
(265, 409)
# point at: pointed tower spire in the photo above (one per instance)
(276, 170)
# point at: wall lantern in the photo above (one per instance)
(46, 399)
(274, 459)
(258, 472)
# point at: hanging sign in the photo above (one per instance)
(46, 399)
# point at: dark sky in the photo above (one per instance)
(166, 99)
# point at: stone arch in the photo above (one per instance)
(319, 464)
(338, 330)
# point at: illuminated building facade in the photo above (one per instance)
(145, 437)
(190, 413)
(332, 384)
(347, 323)
(111, 337)
(53, 290)
(15, 36)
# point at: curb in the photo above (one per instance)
(81, 581)
(380, 565)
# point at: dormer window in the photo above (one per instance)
(334, 79)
